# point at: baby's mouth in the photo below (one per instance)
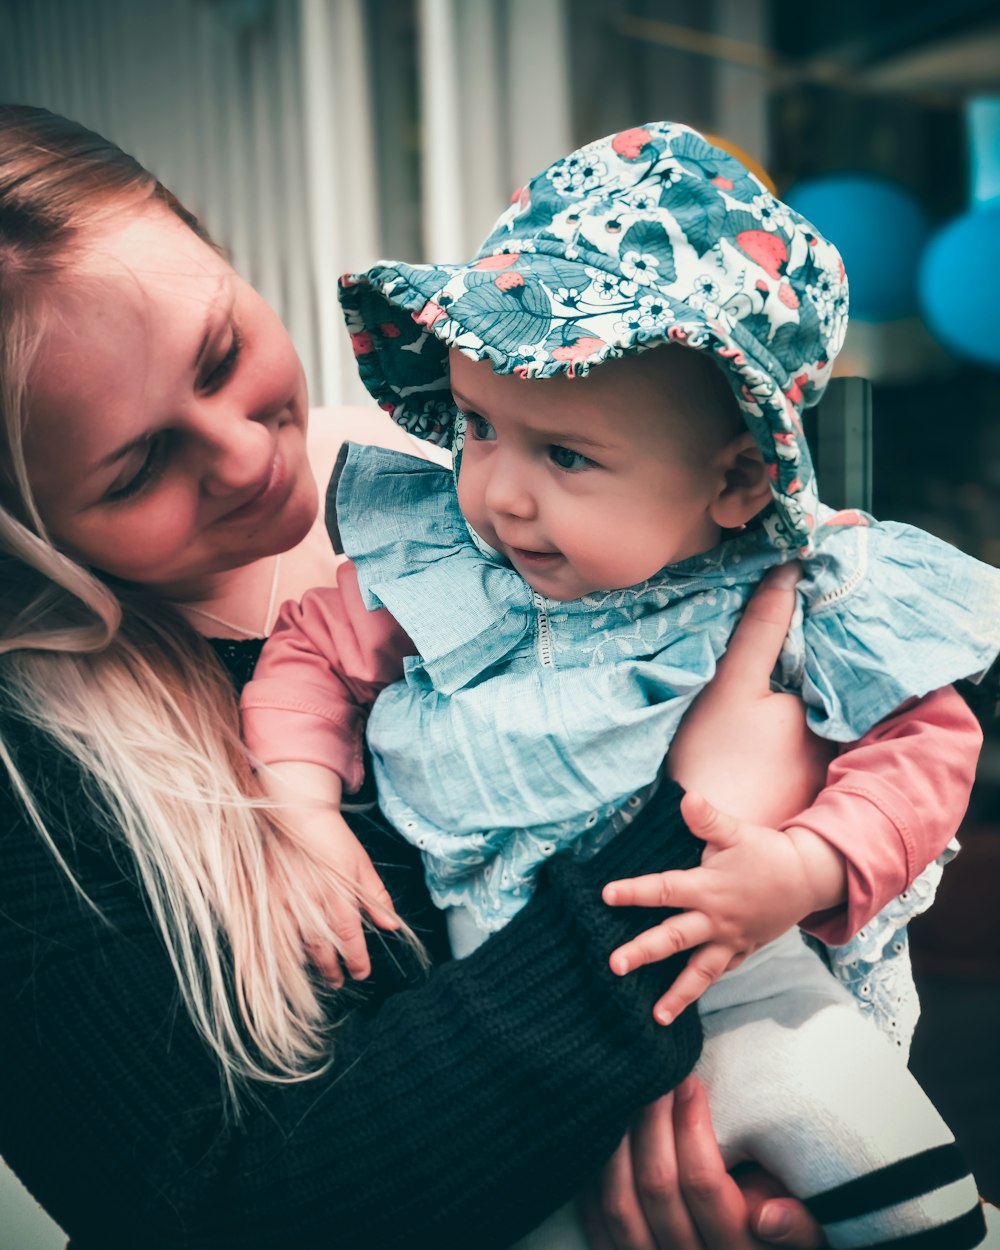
(532, 557)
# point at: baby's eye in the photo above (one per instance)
(565, 458)
(481, 428)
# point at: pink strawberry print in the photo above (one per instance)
(582, 349)
(767, 249)
(847, 516)
(503, 261)
(430, 314)
(629, 143)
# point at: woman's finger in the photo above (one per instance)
(594, 1230)
(679, 933)
(703, 969)
(757, 640)
(654, 1164)
(622, 1217)
(712, 1196)
(786, 1222)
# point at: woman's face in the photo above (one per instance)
(167, 411)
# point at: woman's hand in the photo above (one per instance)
(742, 746)
(667, 1188)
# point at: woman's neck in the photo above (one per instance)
(237, 603)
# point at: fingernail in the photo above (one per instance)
(662, 1016)
(773, 1220)
(785, 575)
(610, 894)
(619, 965)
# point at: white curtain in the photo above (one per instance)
(261, 116)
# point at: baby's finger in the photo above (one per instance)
(326, 961)
(757, 640)
(679, 933)
(658, 889)
(376, 899)
(707, 822)
(703, 969)
(350, 938)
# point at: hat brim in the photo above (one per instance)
(507, 309)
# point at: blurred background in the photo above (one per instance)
(313, 136)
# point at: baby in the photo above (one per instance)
(536, 620)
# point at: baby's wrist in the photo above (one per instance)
(824, 869)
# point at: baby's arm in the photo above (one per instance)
(318, 675)
(892, 803)
(303, 718)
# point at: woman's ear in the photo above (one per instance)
(745, 488)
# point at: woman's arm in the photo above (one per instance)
(511, 1074)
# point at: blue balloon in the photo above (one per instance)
(959, 280)
(879, 229)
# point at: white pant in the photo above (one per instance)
(800, 1081)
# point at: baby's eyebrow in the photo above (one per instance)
(572, 436)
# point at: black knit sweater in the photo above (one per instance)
(462, 1106)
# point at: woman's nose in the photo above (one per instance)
(237, 451)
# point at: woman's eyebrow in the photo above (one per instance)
(211, 313)
(118, 454)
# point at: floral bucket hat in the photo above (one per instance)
(649, 236)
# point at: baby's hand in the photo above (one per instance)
(754, 883)
(337, 883)
(320, 907)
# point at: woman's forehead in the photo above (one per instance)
(149, 248)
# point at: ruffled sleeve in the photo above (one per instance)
(413, 553)
(890, 613)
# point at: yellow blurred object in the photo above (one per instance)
(755, 167)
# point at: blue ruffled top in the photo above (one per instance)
(524, 720)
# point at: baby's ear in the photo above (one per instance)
(744, 485)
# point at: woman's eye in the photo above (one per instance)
(224, 368)
(150, 469)
(481, 429)
(564, 458)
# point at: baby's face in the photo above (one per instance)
(584, 484)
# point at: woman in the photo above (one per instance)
(173, 1072)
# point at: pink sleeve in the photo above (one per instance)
(892, 803)
(317, 677)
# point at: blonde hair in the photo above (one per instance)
(123, 685)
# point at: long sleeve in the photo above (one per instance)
(318, 675)
(892, 803)
(459, 1109)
